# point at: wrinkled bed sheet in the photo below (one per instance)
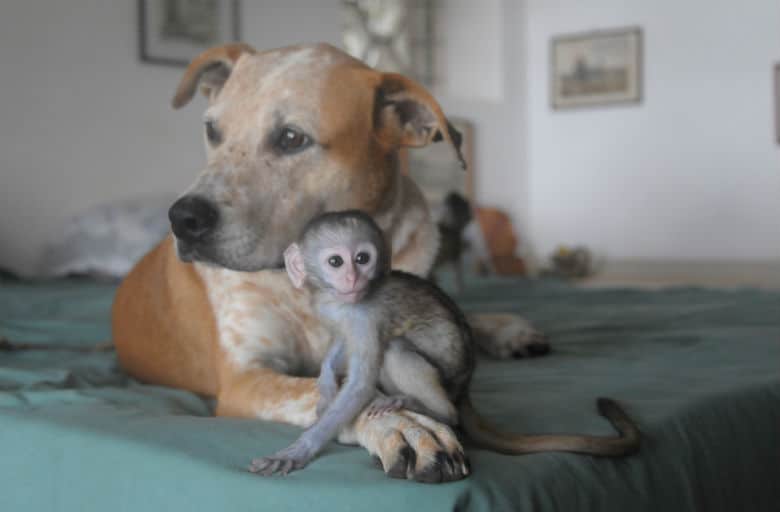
(698, 369)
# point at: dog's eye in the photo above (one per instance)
(212, 132)
(291, 140)
(335, 261)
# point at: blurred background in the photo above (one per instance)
(639, 133)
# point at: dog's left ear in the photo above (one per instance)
(209, 70)
(406, 114)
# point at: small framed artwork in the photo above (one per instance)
(596, 68)
(436, 170)
(173, 32)
(777, 102)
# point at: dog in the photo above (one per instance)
(290, 133)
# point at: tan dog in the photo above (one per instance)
(290, 133)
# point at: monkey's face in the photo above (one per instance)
(348, 269)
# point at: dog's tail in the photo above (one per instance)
(484, 434)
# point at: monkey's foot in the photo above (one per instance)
(385, 404)
(284, 462)
(506, 335)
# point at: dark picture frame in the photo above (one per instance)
(596, 68)
(173, 32)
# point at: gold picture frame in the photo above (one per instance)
(596, 68)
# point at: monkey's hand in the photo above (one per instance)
(384, 404)
(294, 457)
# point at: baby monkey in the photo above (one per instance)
(402, 334)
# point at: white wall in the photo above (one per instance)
(84, 122)
(693, 172)
(481, 66)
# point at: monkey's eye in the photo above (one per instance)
(291, 140)
(212, 132)
(335, 261)
(362, 258)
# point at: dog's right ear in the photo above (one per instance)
(407, 115)
(209, 70)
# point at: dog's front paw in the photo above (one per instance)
(506, 335)
(412, 446)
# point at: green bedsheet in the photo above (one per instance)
(698, 369)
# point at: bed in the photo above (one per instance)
(698, 369)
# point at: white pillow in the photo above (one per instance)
(108, 239)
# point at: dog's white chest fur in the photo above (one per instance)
(259, 320)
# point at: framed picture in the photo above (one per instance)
(436, 170)
(173, 32)
(777, 102)
(596, 68)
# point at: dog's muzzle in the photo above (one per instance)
(193, 219)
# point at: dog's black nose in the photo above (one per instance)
(192, 218)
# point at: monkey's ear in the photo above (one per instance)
(407, 115)
(210, 70)
(293, 263)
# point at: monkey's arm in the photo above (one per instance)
(328, 383)
(364, 364)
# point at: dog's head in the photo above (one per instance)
(292, 133)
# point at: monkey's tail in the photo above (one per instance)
(484, 434)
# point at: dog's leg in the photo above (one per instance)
(408, 445)
(507, 335)
(268, 395)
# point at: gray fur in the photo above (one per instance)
(407, 337)
(404, 336)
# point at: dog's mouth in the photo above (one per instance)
(191, 253)
(238, 256)
(247, 240)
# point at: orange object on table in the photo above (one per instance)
(501, 241)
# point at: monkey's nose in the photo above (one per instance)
(192, 218)
(351, 279)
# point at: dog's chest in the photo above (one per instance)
(263, 320)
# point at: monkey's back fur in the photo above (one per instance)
(417, 310)
(412, 308)
(408, 336)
